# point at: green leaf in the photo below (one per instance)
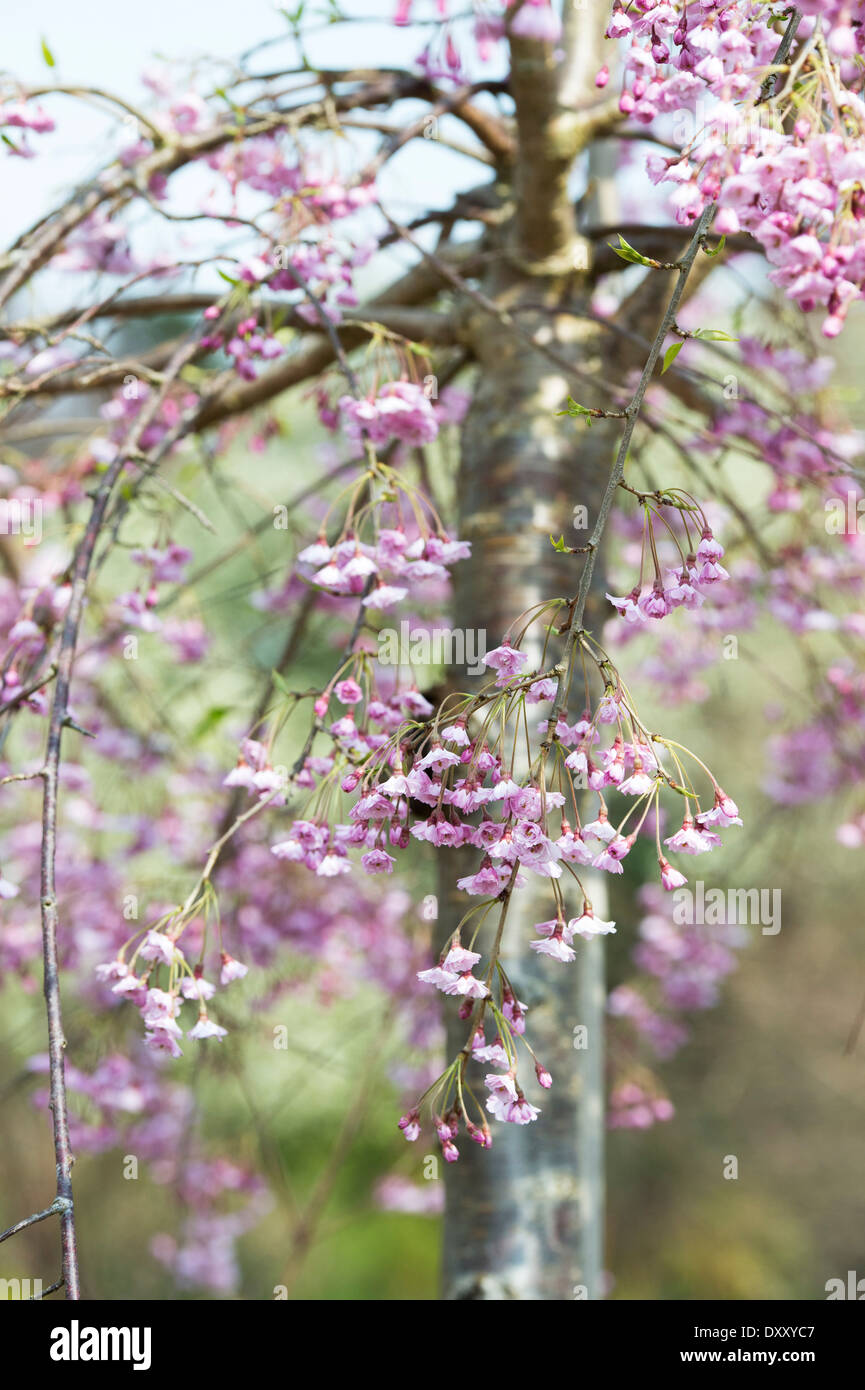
(227, 278)
(670, 355)
(577, 411)
(279, 683)
(558, 545)
(47, 54)
(11, 143)
(715, 335)
(630, 253)
(209, 721)
(718, 249)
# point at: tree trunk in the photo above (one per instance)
(524, 1220)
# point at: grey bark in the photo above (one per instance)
(524, 1220)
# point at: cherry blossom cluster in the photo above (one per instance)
(246, 344)
(269, 164)
(393, 414)
(397, 560)
(30, 615)
(698, 567)
(321, 266)
(137, 608)
(16, 114)
(806, 761)
(449, 1095)
(158, 960)
(398, 1193)
(781, 162)
(788, 423)
(681, 968)
(398, 410)
(440, 58)
(634, 1106)
(101, 244)
(443, 778)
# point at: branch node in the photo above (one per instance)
(69, 723)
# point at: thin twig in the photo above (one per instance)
(29, 690)
(52, 1288)
(58, 1207)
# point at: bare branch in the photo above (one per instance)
(36, 247)
(58, 1207)
(58, 721)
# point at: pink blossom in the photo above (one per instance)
(536, 19)
(231, 969)
(376, 861)
(608, 711)
(553, 945)
(507, 661)
(206, 1028)
(158, 947)
(689, 840)
(670, 877)
(520, 1112)
(410, 1126)
(588, 925)
(626, 607)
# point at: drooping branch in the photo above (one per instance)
(632, 412)
(59, 719)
